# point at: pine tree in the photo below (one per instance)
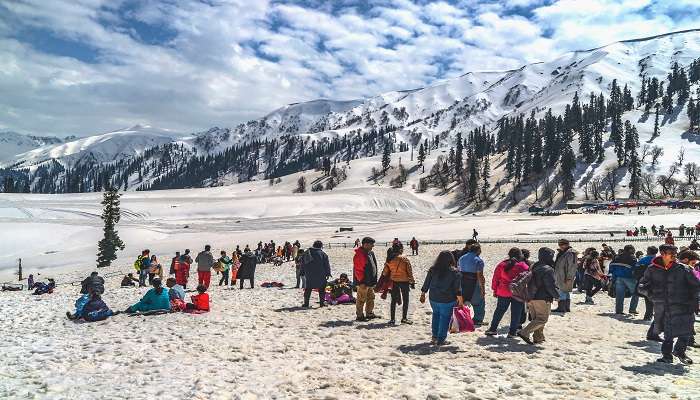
(421, 156)
(631, 141)
(486, 186)
(635, 169)
(386, 156)
(616, 136)
(459, 156)
(110, 243)
(568, 164)
(656, 124)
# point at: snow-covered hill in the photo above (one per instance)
(12, 144)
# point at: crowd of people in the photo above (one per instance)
(666, 278)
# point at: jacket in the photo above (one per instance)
(623, 266)
(399, 270)
(97, 283)
(153, 301)
(201, 301)
(674, 292)
(225, 263)
(543, 279)
(176, 292)
(316, 268)
(364, 269)
(205, 261)
(565, 269)
(247, 268)
(442, 288)
(502, 277)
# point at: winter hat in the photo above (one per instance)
(545, 255)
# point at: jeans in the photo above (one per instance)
(143, 273)
(479, 304)
(516, 312)
(399, 293)
(564, 295)
(681, 345)
(224, 278)
(321, 295)
(442, 313)
(621, 285)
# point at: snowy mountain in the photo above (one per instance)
(300, 136)
(12, 144)
(101, 148)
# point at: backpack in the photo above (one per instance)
(138, 264)
(522, 287)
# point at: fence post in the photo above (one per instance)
(20, 269)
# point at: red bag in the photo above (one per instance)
(462, 320)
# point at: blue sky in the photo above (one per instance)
(88, 66)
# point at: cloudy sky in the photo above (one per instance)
(88, 66)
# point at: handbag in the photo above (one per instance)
(462, 319)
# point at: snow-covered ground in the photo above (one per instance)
(257, 344)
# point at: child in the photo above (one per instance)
(177, 295)
(200, 302)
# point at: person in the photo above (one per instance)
(593, 275)
(564, 273)
(694, 245)
(155, 270)
(174, 262)
(95, 282)
(673, 288)
(316, 269)
(669, 239)
(298, 261)
(395, 241)
(176, 294)
(545, 291)
(91, 308)
(235, 265)
(44, 288)
(30, 282)
(398, 269)
(341, 289)
(357, 243)
(365, 278)
(247, 269)
(471, 266)
(143, 266)
(128, 280)
(690, 259)
(414, 246)
(226, 263)
(295, 249)
(200, 301)
(638, 273)
(182, 269)
(622, 271)
(157, 298)
(442, 282)
(506, 271)
(205, 261)
(475, 234)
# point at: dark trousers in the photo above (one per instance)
(681, 344)
(248, 279)
(399, 292)
(298, 273)
(592, 285)
(414, 251)
(150, 278)
(648, 308)
(224, 278)
(321, 295)
(516, 313)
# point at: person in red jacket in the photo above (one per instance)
(200, 302)
(365, 278)
(506, 271)
(182, 269)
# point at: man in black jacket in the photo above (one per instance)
(94, 282)
(316, 269)
(543, 285)
(674, 290)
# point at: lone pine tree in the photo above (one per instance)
(110, 243)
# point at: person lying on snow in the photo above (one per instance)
(200, 302)
(129, 280)
(157, 298)
(44, 288)
(91, 308)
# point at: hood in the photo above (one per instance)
(545, 255)
(659, 263)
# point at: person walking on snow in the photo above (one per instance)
(205, 261)
(317, 269)
(442, 283)
(226, 265)
(674, 290)
(414, 246)
(545, 291)
(471, 267)
(622, 271)
(475, 234)
(564, 274)
(398, 269)
(506, 271)
(365, 278)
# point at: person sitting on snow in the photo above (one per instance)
(91, 308)
(94, 281)
(157, 298)
(44, 288)
(176, 294)
(200, 302)
(129, 280)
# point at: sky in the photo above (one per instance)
(81, 67)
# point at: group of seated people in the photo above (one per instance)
(90, 306)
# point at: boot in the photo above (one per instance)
(560, 307)
(567, 305)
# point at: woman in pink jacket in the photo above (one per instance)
(505, 272)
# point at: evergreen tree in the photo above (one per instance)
(568, 164)
(110, 243)
(667, 101)
(631, 141)
(386, 156)
(486, 186)
(459, 156)
(635, 169)
(616, 136)
(656, 123)
(627, 99)
(421, 155)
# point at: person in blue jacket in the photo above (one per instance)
(157, 298)
(622, 271)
